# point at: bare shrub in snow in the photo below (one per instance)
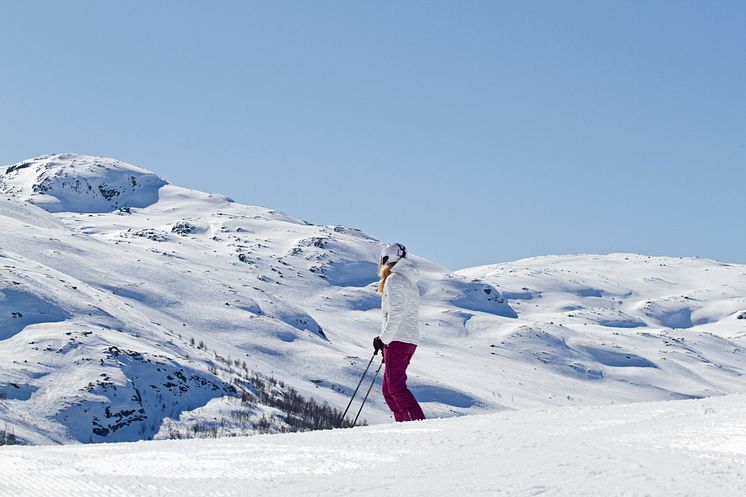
(7, 436)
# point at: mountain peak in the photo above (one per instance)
(80, 183)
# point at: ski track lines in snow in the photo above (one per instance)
(675, 448)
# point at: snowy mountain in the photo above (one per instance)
(131, 308)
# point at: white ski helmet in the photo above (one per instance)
(392, 253)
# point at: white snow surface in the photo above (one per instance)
(676, 448)
(102, 291)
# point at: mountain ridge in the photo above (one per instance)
(196, 284)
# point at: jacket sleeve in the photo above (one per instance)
(394, 295)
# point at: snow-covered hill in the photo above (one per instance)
(130, 308)
(693, 448)
(79, 183)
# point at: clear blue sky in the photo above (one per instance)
(473, 132)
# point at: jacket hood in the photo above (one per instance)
(406, 268)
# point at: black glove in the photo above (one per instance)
(377, 345)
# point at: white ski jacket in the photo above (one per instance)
(400, 304)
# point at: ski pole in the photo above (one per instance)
(341, 421)
(368, 393)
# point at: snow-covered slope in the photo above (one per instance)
(661, 325)
(678, 448)
(124, 315)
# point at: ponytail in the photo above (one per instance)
(384, 271)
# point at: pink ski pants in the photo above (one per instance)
(398, 397)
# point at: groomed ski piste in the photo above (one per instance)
(685, 448)
(133, 310)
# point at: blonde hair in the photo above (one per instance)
(384, 271)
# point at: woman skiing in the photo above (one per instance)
(400, 300)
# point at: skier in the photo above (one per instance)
(400, 300)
